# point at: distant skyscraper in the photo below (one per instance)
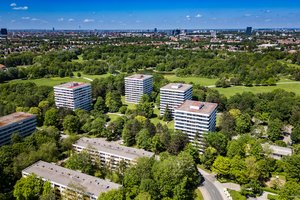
(155, 30)
(213, 34)
(248, 30)
(3, 33)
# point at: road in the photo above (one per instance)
(214, 188)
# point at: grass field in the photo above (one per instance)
(198, 195)
(291, 87)
(57, 80)
(196, 80)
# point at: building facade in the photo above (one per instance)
(69, 184)
(136, 86)
(22, 123)
(173, 95)
(196, 118)
(110, 154)
(73, 95)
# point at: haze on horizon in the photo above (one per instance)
(161, 14)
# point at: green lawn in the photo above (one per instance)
(194, 79)
(292, 87)
(198, 195)
(57, 80)
(236, 195)
(51, 81)
(154, 120)
(113, 117)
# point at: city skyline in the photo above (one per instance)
(33, 14)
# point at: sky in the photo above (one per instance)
(149, 14)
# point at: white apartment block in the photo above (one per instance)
(110, 153)
(69, 184)
(73, 95)
(196, 118)
(173, 95)
(136, 86)
(22, 123)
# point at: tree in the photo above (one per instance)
(71, 124)
(132, 127)
(218, 141)
(113, 101)
(52, 118)
(274, 129)
(81, 161)
(145, 109)
(28, 188)
(290, 191)
(221, 166)
(100, 105)
(292, 167)
(78, 74)
(228, 125)
(209, 156)
(243, 123)
(167, 114)
(295, 136)
(143, 139)
(178, 142)
(111, 195)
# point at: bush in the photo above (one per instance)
(123, 109)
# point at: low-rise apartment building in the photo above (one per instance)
(110, 153)
(73, 95)
(22, 123)
(196, 118)
(68, 183)
(173, 95)
(136, 86)
(277, 152)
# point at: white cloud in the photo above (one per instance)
(88, 20)
(188, 17)
(61, 19)
(20, 8)
(13, 4)
(34, 19)
(13, 21)
(199, 16)
(268, 20)
(25, 18)
(247, 15)
(71, 20)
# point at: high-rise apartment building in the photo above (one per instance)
(196, 118)
(70, 184)
(73, 95)
(136, 86)
(173, 95)
(22, 123)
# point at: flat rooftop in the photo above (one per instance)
(177, 87)
(284, 151)
(72, 85)
(139, 76)
(14, 117)
(197, 107)
(101, 144)
(67, 177)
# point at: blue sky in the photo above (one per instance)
(148, 14)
